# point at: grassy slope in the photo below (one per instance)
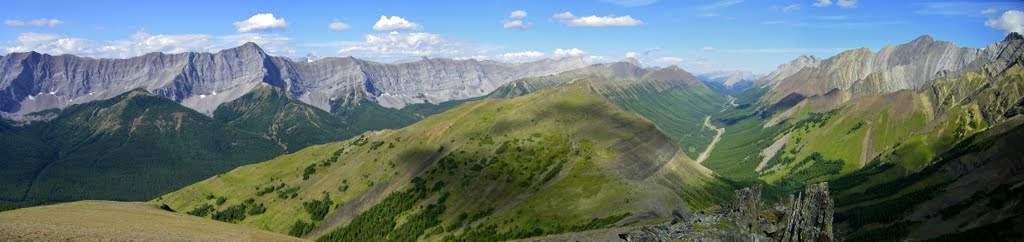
(119, 221)
(289, 122)
(146, 146)
(498, 161)
(677, 105)
(895, 159)
(132, 147)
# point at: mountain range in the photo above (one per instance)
(34, 82)
(916, 141)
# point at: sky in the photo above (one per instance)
(700, 36)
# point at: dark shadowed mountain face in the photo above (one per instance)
(134, 146)
(31, 82)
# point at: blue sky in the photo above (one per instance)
(700, 36)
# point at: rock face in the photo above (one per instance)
(790, 68)
(805, 217)
(32, 81)
(892, 68)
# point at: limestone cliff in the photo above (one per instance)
(32, 81)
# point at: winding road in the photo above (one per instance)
(707, 151)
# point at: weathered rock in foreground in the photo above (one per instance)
(805, 217)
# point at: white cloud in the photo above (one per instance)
(669, 60)
(141, 43)
(1010, 21)
(515, 24)
(520, 56)
(398, 45)
(517, 14)
(595, 59)
(474, 57)
(846, 3)
(564, 15)
(258, 22)
(989, 11)
(632, 55)
(14, 23)
(773, 22)
(708, 49)
(840, 3)
(395, 23)
(791, 8)
(568, 19)
(338, 25)
(568, 52)
(47, 22)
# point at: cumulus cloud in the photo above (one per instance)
(989, 11)
(1010, 21)
(515, 24)
(563, 16)
(517, 14)
(338, 25)
(568, 19)
(823, 3)
(568, 52)
(41, 22)
(398, 45)
(631, 54)
(395, 23)
(258, 22)
(141, 43)
(520, 56)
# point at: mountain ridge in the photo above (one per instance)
(894, 67)
(30, 81)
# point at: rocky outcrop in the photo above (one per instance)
(892, 68)
(806, 216)
(32, 81)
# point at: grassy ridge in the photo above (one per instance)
(549, 162)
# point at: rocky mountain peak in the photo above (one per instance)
(1013, 36)
(247, 48)
(633, 61)
(923, 39)
(790, 68)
